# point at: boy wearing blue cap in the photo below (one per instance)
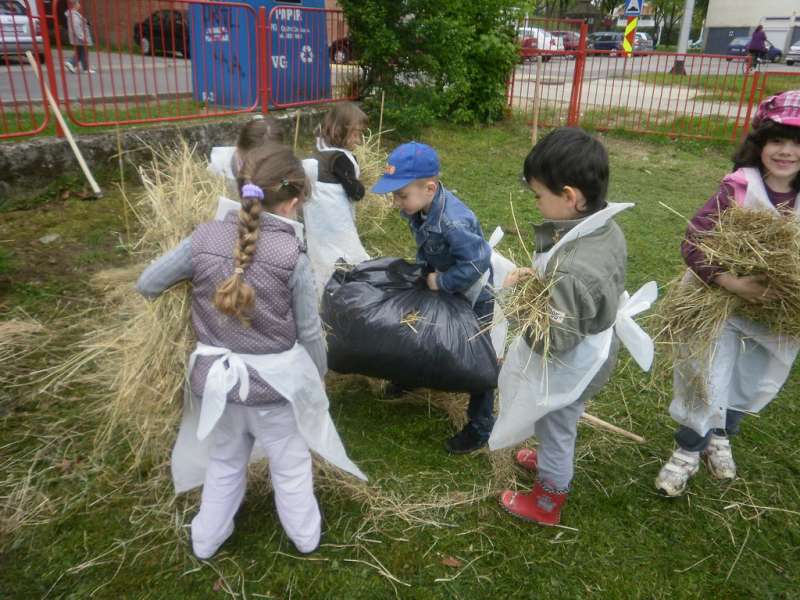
(450, 243)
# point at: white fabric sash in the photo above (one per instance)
(294, 376)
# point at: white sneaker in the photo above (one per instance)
(719, 458)
(69, 66)
(677, 471)
(90, 71)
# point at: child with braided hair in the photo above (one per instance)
(255, 377)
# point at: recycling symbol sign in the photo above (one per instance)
(306, 54)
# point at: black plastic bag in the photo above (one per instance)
(383, 321)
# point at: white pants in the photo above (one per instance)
(226, 478)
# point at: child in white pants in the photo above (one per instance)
(256, 373)
(226, 478)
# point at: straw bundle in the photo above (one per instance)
(745, 242)
(139, 348)
(758, 242)
(692, 314)
(372, 209)
(527, 308)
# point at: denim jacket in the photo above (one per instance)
(450, 241)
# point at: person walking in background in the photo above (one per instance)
(757, 46)
(80, 36)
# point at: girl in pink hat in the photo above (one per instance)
(749, 363)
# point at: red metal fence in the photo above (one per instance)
(168, 60)
(594, 85)
(22, 111)
(171, 60)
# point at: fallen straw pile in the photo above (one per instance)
(20, 335)
(138, 350)
(745, 242)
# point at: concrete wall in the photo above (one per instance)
(26, 165)
(747, 13)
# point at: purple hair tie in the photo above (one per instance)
(250, 190)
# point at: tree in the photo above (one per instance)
(667, 14)
(606, 7)
(436, 58)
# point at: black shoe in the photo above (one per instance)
(465, 441)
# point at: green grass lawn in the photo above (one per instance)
(96, 529)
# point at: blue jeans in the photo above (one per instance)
(693, 442)
(81, 57)
(481, 404)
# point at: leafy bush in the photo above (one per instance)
(447, 58)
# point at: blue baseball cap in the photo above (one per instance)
(407, 163)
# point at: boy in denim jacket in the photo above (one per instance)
(450, 243)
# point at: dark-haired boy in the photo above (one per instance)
(583, 251)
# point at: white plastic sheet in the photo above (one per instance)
(292, 374)
(329, 218)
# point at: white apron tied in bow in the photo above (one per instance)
(330, 221)
(292, 374)
(748, 365)
(530, 386)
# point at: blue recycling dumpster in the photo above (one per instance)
(224, 41)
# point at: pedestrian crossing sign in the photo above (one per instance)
(633, 8)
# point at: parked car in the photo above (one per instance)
(163, 32)
(643, 42)
(606, 40)
(570, 39)
(738, 47)
(794, 54)
(18, 32)
(534, 40)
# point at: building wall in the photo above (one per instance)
(747, 13)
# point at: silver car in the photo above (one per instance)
(793, 55)
(18, 32)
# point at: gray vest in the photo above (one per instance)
(272, 328)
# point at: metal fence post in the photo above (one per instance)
(262, 31)
(573, 116)
(750, 102)
(49, 63)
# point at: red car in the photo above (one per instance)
(571, 39)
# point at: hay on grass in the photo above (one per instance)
(20, 336)
(138, 349)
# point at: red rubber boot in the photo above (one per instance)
(528, 459)
(541, 505)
